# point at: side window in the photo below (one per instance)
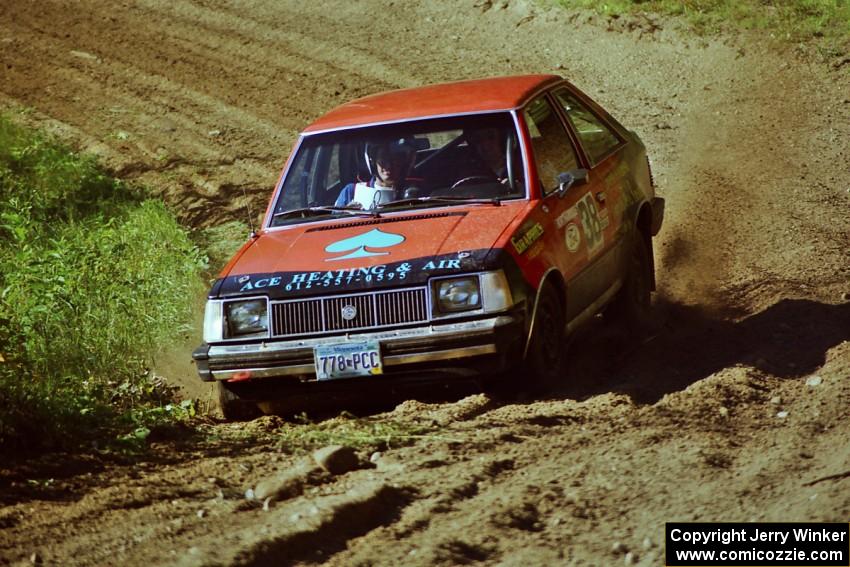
(553, 150)
(596, 137)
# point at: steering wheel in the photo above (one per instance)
(471, 178)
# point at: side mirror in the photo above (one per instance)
(569, 178)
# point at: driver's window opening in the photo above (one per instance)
(553, 150)
(425, 163)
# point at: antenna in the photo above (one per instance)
(250, 213)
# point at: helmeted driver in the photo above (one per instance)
(489, 147)
(389, 164)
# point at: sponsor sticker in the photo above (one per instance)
(592, 221)
(336, 278)
(331, 277)
(347, 276)
(589, 216)
(572, 237)
(535, 250)
(566, 217)
(529, 237)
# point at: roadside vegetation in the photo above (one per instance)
(94, 276)
(351, 431)
(221, 242)
(826, 21)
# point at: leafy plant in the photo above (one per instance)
(222, 241)
(94, 276)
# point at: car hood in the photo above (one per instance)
(363, 253)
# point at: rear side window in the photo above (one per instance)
(553, 150)
(596, 137)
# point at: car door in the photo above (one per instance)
(604, 204)
(572, 223)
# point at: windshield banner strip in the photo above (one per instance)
(293, 284)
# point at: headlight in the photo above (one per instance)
(496, 291)
(486, 291)
(213, 321)
(246, 319)
(457, 294)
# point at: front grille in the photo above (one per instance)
(401, 307)
(364, 314)
(297, 317)
(370, 310)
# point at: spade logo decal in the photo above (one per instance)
(363, 245)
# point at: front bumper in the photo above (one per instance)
(430, 347)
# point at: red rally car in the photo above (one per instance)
(432, 233)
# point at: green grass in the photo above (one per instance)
(803, 20)
(358, 433)
(221, 242)
(93, 277)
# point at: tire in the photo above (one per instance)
(546, 353)
(632, 306)
(233, 407)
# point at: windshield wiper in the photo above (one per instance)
(314, 211)
(448, 200)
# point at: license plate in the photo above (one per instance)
(348, 360)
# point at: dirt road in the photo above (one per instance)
(736, 411)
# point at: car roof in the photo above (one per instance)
(461, 97)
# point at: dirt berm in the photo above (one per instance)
(737, 410)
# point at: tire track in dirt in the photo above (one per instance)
(142, 103)
(303, 531)
(310, 55)
(181, 79)
(558, 482)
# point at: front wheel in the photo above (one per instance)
(546, 351)
(233, 406)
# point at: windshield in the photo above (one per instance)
(427, 163)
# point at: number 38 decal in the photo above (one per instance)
(589, 216)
